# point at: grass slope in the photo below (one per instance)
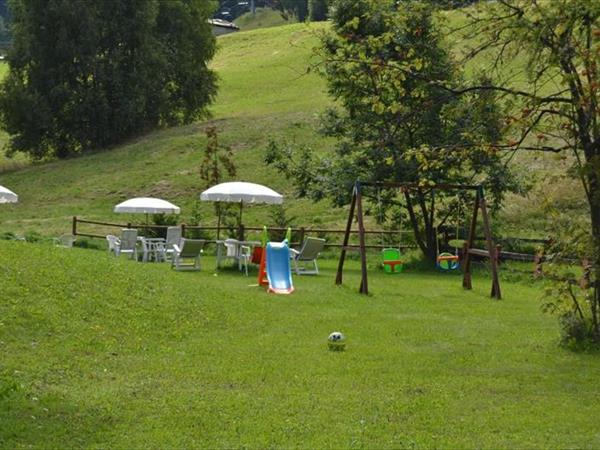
(100, 353)
(264, 92)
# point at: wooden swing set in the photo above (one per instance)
(468, 250)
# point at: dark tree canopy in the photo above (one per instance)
(296, 8)
(318, 10)
(86, 75)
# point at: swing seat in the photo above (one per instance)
(448, 261)
(390, 258)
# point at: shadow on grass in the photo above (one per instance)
(50, 422)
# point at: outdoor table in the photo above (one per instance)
(153, 249)
(239, 244)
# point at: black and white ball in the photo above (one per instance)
(336, 341)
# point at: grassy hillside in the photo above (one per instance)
(264, 91)
(105, 353)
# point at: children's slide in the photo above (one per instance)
(278, 268)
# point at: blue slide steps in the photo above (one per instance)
(279, 273)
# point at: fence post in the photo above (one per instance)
(498, 251)
(301, 237)
(183, 230)
(585, 281)
(74, 226)
(537, 264)
(241, 232)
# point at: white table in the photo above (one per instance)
(235, 251)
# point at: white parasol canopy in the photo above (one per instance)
(242, 192)
(8, 196)
(147, 205)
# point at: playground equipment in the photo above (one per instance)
(274, 269)
(447, 261)
(278, 268)
(391, 260)
(468, 250)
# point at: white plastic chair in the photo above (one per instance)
(186, 255)
(244, 257)
(173, 238)
(128, 243)
(307, 254)
(114, 244)
(241, 253)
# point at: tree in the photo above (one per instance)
(296, 8)
(217, 163)
(392, 124)
(317, 10)
(86, 75)
(557, 109)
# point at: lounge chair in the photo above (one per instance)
(186, 254)
(307, 254)
(173, 238)
(128, 243)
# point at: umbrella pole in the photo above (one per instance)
(218, 220)
(240, 225)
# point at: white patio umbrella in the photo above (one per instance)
(147, 205)
(8, 196)
(241, 192)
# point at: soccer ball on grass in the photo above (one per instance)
(336, 341)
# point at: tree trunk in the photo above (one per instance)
(594, 200)
(426, 239)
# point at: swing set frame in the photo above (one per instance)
(468, 250)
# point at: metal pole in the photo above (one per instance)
(252, 7)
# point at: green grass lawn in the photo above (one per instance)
(106, 353)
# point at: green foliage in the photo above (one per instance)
(279, 218)
(557, 109)
(87, 75)
(570, 293)
(162, 219)
(218, 160)
(89, 244)
(394, 124)
(195, 219)
(35, 236)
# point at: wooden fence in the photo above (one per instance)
(242, 231)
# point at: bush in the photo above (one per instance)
(90, 244)
(575, 332)
(8, 236)
(34, 236)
